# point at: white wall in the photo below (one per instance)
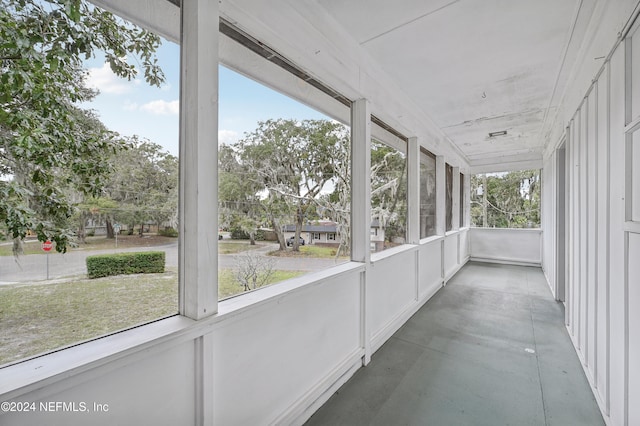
(503, 245)
(600, 114)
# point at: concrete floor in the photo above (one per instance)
(488, 349)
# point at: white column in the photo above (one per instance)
(455, 205)
(360, 181)
(441, 189)
(467, 200)
(413, 191)
(198, 253)
(361, 211)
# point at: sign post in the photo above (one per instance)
(47, 246)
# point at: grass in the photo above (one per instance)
(37, 318)
(231, 247)
(228, 285)
(41, 317)
(308, 251)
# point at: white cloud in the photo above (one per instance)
(104, 80)
(227, 137)
(161, 107)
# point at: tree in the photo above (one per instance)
(506, 200)
(238, 194)
(293, 161)
(389, 189)
(95, 208)
(253, 270)
(144, 183)
(43, 133)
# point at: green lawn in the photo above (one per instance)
(228, 285)
(232, 247)
(37, 318)
(309, 251)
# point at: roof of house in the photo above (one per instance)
(312, 228)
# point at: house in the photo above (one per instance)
(323, 232)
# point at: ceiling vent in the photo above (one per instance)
(500, 133)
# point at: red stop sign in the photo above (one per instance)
(47, 245)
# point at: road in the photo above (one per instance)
(32, 268)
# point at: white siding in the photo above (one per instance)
(603, 247)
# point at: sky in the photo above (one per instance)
(135, 108)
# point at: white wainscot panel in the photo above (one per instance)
(431, 278)
(450, 255)
(520, 246)
(634, 329)
(464, 245)
(635, 176)
(392, 291)
(153, 389)
(276, 357)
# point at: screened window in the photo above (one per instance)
(462, 200)
(284, 173)
(427, 194)
(101, 179)
(449, 197)
(388, 195)
(506, 200)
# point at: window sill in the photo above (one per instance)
(381, 255)
(431, 239)
(235, 305)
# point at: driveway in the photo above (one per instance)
(33, 268)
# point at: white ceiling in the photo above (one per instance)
(472, 66)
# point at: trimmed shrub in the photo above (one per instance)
(239, 234)
(148, 262)
(168, 232)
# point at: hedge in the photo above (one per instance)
(148, 262)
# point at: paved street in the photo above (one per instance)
(32, 268)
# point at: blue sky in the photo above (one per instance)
(134, 107)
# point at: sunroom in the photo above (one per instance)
(457, 88)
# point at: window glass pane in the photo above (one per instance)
(449, 197)
(427, 194)
(100, 180)
(284, 187)
(388, 196)
(506, 200)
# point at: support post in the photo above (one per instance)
(455, 205)
(198, 252)
(413, 191)
(361, 211)
(441, 190)
(360, 181)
